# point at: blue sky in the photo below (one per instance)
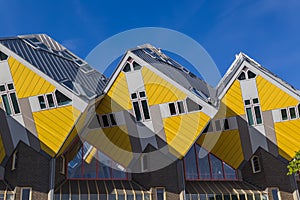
(268, 31)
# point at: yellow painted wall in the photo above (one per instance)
(159, 90)
(271, 97)
(182, 131)
(225, 145)
(114, 142)
(28, 83)
(288, 137)
(54, 125)
(2, 150)
(117, 98)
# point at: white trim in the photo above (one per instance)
(252, 164)
(14, 160)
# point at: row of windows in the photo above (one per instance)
(9, 99)
(254, 196)
(53, 100)
(201, 165)
(253, 111)
(246, 74)
(7, 196)
(107, 120)
(131, 65)
(290, 113)
(217, 125)
(140, 106)
(136, 196)
(92, 164)
(181, 107)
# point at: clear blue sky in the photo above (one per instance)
(268, 31)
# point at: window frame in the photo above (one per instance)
(14, 161)
(45, 96)
(8, 93)
(252, 107)
(30, 192)
(138, 99)
(281, 115)
(164, 192)
(109, 120)
(246, 70)
(253, 164)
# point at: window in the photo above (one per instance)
(14, 160)
(3, 56)
(176, 108)
(226, 124)
(251, 74)
(105, 120)
(180, 107)
(42, 102)
(131, 65)
(140, 106)
(284, 115)
(218, 125)
(26, 193)
(299, 110)
(172, 109)
(50, 101)
(255, 164)
(62, 163)
(62, 99)
(112, 119)
(192, 106)
(9, 99)
(292, 112)
(275, 194)
(253, 111)
(160, 194)
(246, 74)
(242, 76)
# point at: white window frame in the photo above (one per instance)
(245, 70)
(164, 192)
(139, 100)
(252, 164)
(252, 105)
(26, 188)
(46, 101)
(7, 92)
(289, 112)
(131, 65)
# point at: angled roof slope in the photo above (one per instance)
(57, 62)
(176, 72)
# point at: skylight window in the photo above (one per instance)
(36, 43)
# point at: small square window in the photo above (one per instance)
(172, 109)
(142, 94)
(50, 100)
(2, 88)
(180, 107)
(247, 102)
(293, 112)
(133, 96)
(255, 100)
(105, 120)
(10, 86)
(42, 102)
(284, 115)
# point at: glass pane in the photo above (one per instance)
(249, 116)
(284, 114)
(242, 197)
(250, 197)
(203, 163)
(211, 196)
(1, 196)
(146, 196)
(190, 165)
(242, 76)
(172, 109)
(126, 68)
(142, 94)
(89, 162)
(118, 174)
(202, 197)
(6, 104)
(226, 197)
(216, 167)
(299, 110)
(112, 197)
(188, 197)
(112, 119)
(103, 171)
(2, 88)
(10, 86)
(192, 106)
(133, 96)
(194, 196)
(218, 197)
(258, 115)
(180, 107)
(229, 172)
(105, 120)
(275, 194)
(264, 197)
(255, 100)
(62, 99)
(218, 125)
(293, 113)
(247, 102)
(234, 197)
(25, 194)
(160, 194)
(75, 196)
(42, 102)
(138, 196)
(257, 196)
(251, 74)
(50, 100)
(130, 197)
(145, 109)
(121, 197)
(65, 197)
(15, 103)
(75, 166)
(136, 66)
(3, 56)
(137, 111)
(226, 124)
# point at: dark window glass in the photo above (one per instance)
(6, 104)
(130, 197)
(234, 197)
(172, 108)
(9, 197)
(62, 99)
(242, 197)
(15, 103)
(249, 196)
(112, 119)
(202, 197)
(42, 102)
(3, 56)
(216, 167)
(136, 66)
(160, 194)
(299, 110)
(255, 164)
(105, 120)
(10, 86)
(229, 172)
(2, 88)
(50, 100)
(190, 165)
(126, 68)
(25, 194)
(133, 96)
(226, 197)
(145, 109)
(242, 76)
(112, 197)
(138, 196)
(121, 197)
(275, 194)
(249, 116)
(257, 196)
(293, 112)
(247, 102)
(211, 196)
(180, 107)
(142, 94)
(218, 197)
(203, 163)
(226, 124)
(255, 100)
(137, 111)
(218, 125)
(284, 114)
(194, 196)
(251, 74)
(192, 106)
(258, 115)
